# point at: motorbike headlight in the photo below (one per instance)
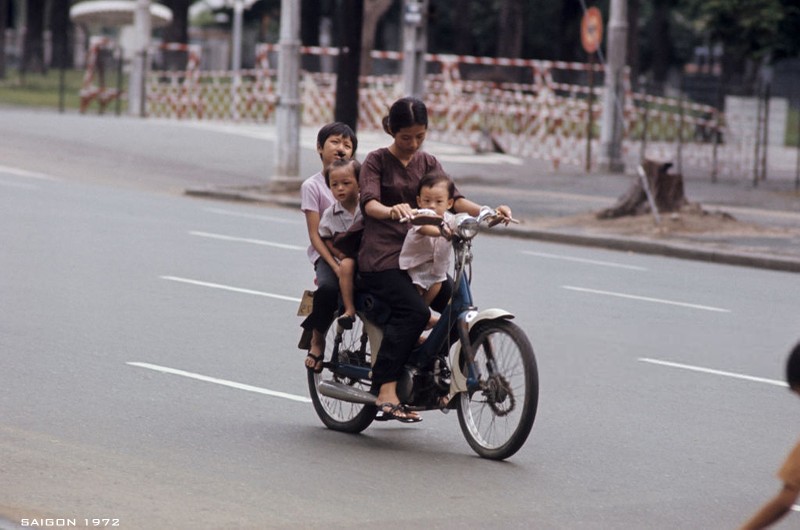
(466, 226)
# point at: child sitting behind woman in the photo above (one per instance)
(426, 254)
(341, 176)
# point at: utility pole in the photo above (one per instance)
(415, 43)
(611, 128)
(287, 115)
(136, 84)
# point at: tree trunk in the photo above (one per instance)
(509, 31)
(666, 188)
(463, 26)
(310, 31)
(309, 24)
(177, 31)
(662, 46)
(4, 4)
(569, 31)
(351, 15)
(373, 12)
(61, 27)
(33, 46)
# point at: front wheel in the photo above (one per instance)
(497, 413)
(349, 347)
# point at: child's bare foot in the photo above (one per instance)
(432, 321)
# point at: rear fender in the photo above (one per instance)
(374, 335)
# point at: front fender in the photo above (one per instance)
(458, 381)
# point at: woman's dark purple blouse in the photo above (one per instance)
(384, 178)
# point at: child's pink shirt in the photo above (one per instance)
(315, 196)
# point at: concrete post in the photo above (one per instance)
(415, 44)
(136, 83)
(611, 128)
(287, 114)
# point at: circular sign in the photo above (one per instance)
(592, 30)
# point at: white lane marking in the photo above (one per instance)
(229, 288)
(27, 174)
(583, 260)
(223, 382)
(271, 219)
(714, 372)
(647, 299)
(21, 185)
(796, 507)
(246, 240)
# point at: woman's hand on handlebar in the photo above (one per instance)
(401, 211)
(495, 216)
(504, 212)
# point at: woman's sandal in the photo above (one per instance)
(390, 411)
(317, 368)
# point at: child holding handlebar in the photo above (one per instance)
(426, 253)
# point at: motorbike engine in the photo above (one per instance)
(423, 388)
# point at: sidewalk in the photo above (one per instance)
(731, 221)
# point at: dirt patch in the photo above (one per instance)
(691, 220)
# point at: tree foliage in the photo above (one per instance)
(746, 28)
(663, 33)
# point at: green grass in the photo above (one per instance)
(44, 90)
(793, 128)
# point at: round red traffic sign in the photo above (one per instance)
(592, 29)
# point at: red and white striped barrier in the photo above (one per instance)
(91, 89)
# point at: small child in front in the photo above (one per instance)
(342, 178)
(426, 255)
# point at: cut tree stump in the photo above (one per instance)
(666, 188)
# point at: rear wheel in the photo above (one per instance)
(496, 415)
(350, 347)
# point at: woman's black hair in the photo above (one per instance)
(341, 162)
(405, 112)
(436, 177)
(337, 128)
(793, 367)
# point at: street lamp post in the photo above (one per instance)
(611, 127)
(236, 56)
(415, 42)
(142, 29)
(287, 114)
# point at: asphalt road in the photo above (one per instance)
(151, 376)
(169, 157)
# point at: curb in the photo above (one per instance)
(674, 250)
(639, 246)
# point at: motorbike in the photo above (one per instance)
(477, 361)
